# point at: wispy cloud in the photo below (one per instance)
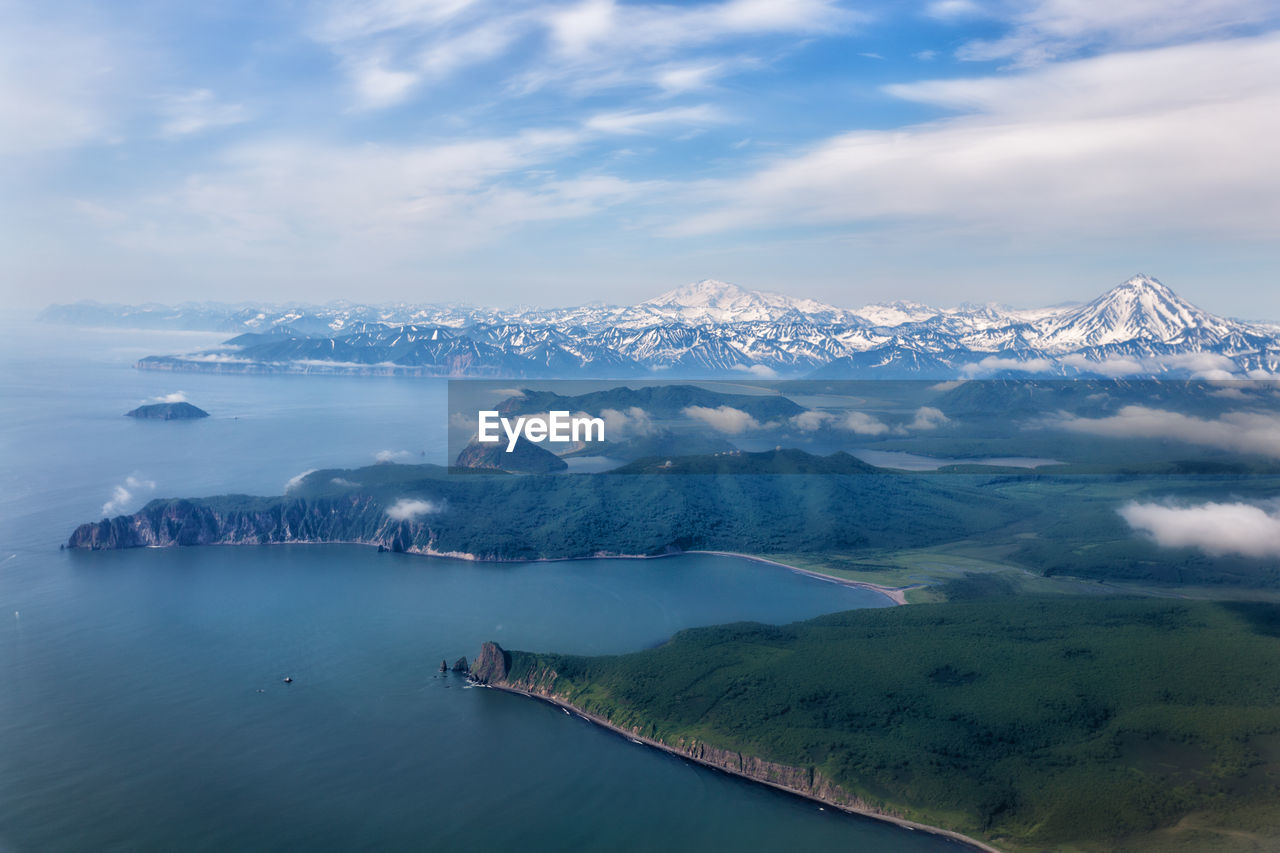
(1085, 147)
(123, 495)
(633, 422)
(1215, 528)
(861, 423)
(60, 80)
(1243, 432)
(996, 364)
(1044, 30)
(390, 48)
(175, 397)
(296, 481)
(197, 111)
(386, 457)
(654, 120)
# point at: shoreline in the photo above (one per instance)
(595, 720)
(897, 595)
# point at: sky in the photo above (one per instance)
(1021, 151)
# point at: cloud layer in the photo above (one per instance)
(1215, 528)
(1243, 432)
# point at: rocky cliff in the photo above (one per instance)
(423, 509)
(519, 672)
(492, 666)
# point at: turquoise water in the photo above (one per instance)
(142, 705)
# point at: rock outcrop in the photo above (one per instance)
(492, 666)
(461, 665)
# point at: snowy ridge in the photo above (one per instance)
(1138, 328)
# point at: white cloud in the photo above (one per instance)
(763, 371)
(175, 397)
(290, 197)
(1216, 528)
(409, 509)
(950, 10)
(724, 419)
(811, 420)
(197, 111)
(124, 494)
(994, 364)
(296, 480)
(1198, 365)
(387, 457)
(648, 122)
(390, 47)
(927, 417)
(344, 482)
(1243, 432)
(861, 423)
(1043, 30)
(1082, 148)
(633, 422)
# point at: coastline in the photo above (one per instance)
(812, 797)
(897, 595)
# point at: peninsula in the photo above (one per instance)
(1021, 725)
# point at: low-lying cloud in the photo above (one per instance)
(633, 422)
(1198, 365)
(387, 457)
(1243, 432)
(995, 364)
(296, 480)
(124, 494)
(1215, 528)
(409, 509)
(927, 417)
(175, 397)
(861, 423)
(724, 419)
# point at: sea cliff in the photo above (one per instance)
(424, 509)
(515, 672)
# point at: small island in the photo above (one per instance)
(168, 412)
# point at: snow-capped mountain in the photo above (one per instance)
(1140, 309)
(711, 302)
(1138, 328)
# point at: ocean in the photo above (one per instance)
(142, 696)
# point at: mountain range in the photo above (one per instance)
(711, 328)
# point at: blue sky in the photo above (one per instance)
(1024, 151)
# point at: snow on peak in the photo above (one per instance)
(1142, 308)
(896, 313)
(711, 301)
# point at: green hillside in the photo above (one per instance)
(1039, 724)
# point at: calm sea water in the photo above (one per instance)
(141, 697)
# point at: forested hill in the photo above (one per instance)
(424, 509)
(1036, 724)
